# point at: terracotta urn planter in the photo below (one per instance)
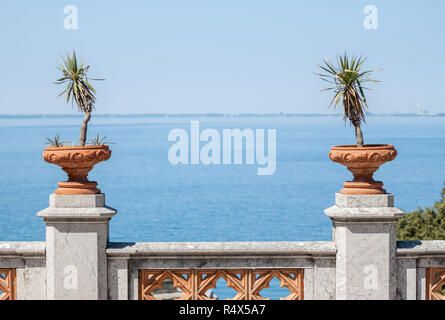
(363, 162)
(77, 162)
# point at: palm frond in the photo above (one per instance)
(348, 79)
(78, 88)
(98, 141)
(55, 142)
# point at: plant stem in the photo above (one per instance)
(84, 128)
(359, 135)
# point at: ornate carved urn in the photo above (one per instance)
(363, 162)
(77, 162)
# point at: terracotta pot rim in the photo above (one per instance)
(67, 148)
(365, 148)
(77, 162)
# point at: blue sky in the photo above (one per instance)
(224, 56)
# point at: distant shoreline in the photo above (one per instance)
(217, 115)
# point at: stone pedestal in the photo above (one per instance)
(365, 237)
(76, 242)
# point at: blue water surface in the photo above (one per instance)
(158, 201)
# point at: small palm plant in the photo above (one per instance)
(348, 82)
(55, 142)
(78, 89)
(99, 141)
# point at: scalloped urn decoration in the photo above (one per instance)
(77, 162)
(363, 162)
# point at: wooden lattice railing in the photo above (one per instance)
(248, 283)
(435, 284)
(7, 284)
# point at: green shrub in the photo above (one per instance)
(424, 224)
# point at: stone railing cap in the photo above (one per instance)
(419, 248)
(21, 248)
(222, 248)
(101, 213)
(363, 214)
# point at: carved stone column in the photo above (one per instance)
(365, 237)
(76, 242)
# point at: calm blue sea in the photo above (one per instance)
(161, 202)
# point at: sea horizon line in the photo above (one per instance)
(126, 115)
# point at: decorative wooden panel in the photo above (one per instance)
(236, 279)
(7, 284)
(149, 281)
(291, 279)
(435, 284)
(248, 283)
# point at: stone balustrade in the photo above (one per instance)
(315, 261)
(364, 260)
